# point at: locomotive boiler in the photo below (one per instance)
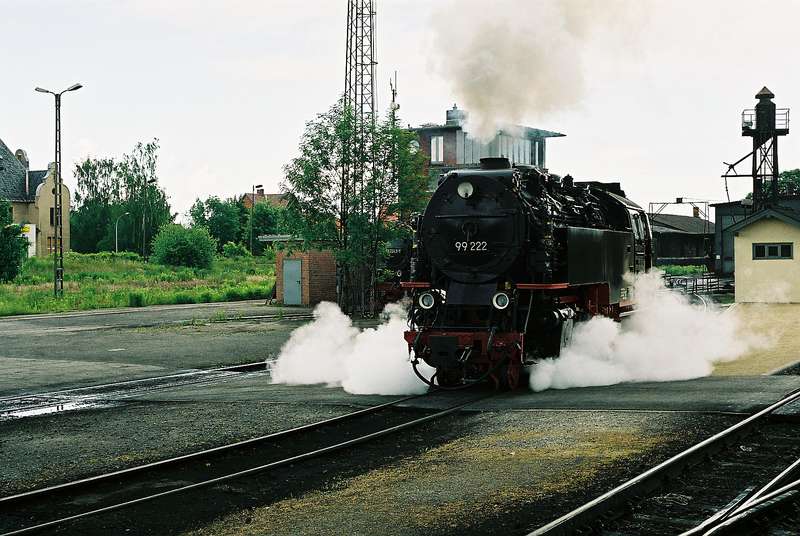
(506, 260)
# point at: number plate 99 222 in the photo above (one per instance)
(471, 246)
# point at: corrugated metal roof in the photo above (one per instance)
(687, 224)
(529, 132)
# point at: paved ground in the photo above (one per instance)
(540, 451)
(46, 352)
(778, 324)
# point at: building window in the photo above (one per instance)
(437, 149)
(773, 251)
(52, 216)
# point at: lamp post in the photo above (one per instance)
(58, 246)
(144, 216)
(116, 232)
(252, 206)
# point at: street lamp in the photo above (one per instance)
(144, 214)
(252, 206)
(58, 247)
(116, 233)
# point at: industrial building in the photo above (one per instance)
(448, 146)
(757, 237)
(31, 195)
(682, 240)
(733, 213)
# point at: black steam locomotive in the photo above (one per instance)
(505, 261)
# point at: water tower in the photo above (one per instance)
(764, 123)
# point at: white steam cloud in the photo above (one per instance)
(508, 60)
(332, 351)
(666, 339)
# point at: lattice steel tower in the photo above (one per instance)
(359, 73)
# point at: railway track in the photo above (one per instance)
(743, 480)
(28, 405)
(57, 507)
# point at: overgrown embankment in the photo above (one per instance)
(102, 280)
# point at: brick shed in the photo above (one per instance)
(305, 277)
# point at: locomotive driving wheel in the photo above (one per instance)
(449, 377)
(508, 376)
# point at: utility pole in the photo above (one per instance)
(147, 183)
(58, 224)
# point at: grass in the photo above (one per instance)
(675, 269)
(102, 280)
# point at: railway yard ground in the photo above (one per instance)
(155, 383)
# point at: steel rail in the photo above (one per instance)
(585, 514)
(253, 470)
(190, 372)
(745, 503)
(787, 492)
(75, 484)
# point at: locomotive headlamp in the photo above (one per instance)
(426, 300)
(500, 300)
(465, 189)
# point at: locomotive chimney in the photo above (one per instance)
(494, 162)
(696, 212)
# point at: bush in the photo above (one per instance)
(176, 245)
(678, 270)
(232, 250)
(13, 245)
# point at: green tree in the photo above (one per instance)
(353, 201)
(13, 245)
(221, 218)
(109, 188)
(267, 219)
(788, 184)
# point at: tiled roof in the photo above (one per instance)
(687, 224)
(12, 175)
(36, 178)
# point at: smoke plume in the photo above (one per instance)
(508, 60)
(666, 339)
(332, 351)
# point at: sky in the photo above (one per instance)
(648, 93)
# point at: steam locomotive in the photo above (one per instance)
(506, 260)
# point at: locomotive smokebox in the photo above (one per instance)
(495, 163)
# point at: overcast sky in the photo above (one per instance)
(227, 86)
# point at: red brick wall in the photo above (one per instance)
(317, 275)
(322, 276)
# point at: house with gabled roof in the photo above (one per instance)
(31, 195)
(765, 251)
